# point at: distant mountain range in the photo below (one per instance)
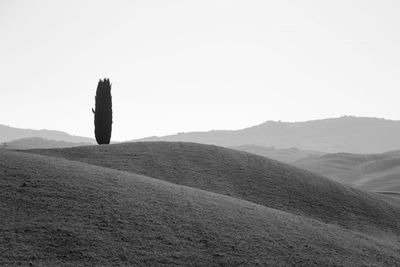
(8, 134)
(344, 134)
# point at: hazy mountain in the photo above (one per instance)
(375, 172)
(151, 204)
(288, 155)
(8, 134)
(38, 142)
(345, 134)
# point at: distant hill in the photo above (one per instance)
(345, 134)
(374, 172)
(289, 155)
(37, 142)
(61, 212)
(8, 134)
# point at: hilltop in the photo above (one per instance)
(63, 211)
(344, 134)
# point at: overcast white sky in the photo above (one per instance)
(180, 66)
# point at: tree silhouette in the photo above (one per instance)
(103, 112)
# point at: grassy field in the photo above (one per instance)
(244, 176)
(184, 204)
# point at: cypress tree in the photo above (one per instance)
(103, 112)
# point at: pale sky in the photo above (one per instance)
(179, 66)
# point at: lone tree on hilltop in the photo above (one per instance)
(103, 112)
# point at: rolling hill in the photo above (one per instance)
(37, 142)
(288, 155)
(8, 134)
(345, 134)
(58, 211)
(374, 172)
(244, 176)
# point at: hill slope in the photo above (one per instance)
(374, 172)
(57, 212)
(8, 134)
(245, 176)
(345, 134)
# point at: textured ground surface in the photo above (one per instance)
(71, 210)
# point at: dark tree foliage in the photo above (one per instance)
(103, 112)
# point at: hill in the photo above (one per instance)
(345, 134)
(8, 134)
(288, 155)
(37, 142)
(58, 212)
(245, 176)
(373, 172)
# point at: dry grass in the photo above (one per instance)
(57, 211)
(246, 176)
(60, 212)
